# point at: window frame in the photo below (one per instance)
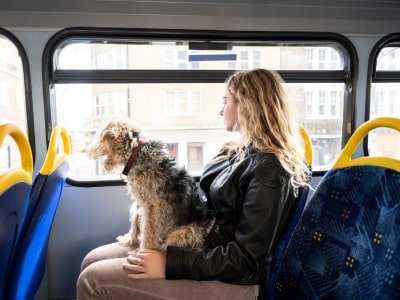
(348, 76)
(30, 129)
(376, 76)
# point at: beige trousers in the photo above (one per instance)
(102, 277)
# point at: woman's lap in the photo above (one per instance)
(103, 277)
(113, 250)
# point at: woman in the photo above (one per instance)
(250, 186)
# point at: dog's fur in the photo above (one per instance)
(167, 210)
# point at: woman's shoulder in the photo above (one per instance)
(262, 159)
(268, 170)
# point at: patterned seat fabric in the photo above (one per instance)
(347, 242)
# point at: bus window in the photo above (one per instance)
(172, 88)
(12, 98)
(384, 96)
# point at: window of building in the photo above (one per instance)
(185, 102)
(195, 157)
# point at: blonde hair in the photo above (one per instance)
(265, 121)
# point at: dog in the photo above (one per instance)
(167, 209)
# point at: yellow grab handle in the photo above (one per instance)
(345, 160)
(308, 150)
(23, 174)
(53, 157)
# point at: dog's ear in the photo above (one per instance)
(107, 134)
(112, 131)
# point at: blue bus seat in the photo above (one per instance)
(15, 185)
(266, 288)
(346, 243)
(30, 259)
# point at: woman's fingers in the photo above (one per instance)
(134, 264)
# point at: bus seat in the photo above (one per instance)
(15, 185)
(30, 259)
(346, 243)
(296, 210)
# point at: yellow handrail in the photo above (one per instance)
(54, 157)
(308, 150)
(24, 173)
(345, 157)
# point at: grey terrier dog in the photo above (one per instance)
(167, 209)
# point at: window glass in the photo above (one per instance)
(182, 112)
(384, 142)
(319, 108)
(12, 100)
(184, 116)
(388, 59)
(180, 55)
(385, 99)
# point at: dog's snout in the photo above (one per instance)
(93, 151)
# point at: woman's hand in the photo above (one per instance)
(146, 264)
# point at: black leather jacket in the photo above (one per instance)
(251, 201)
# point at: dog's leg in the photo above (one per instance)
(156, 225)
(132, 238)
(187, 236)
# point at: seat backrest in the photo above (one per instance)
(15, 185)
(30, 259)
(346, 243)
(292, 220)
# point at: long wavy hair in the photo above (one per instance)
(265, 120)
